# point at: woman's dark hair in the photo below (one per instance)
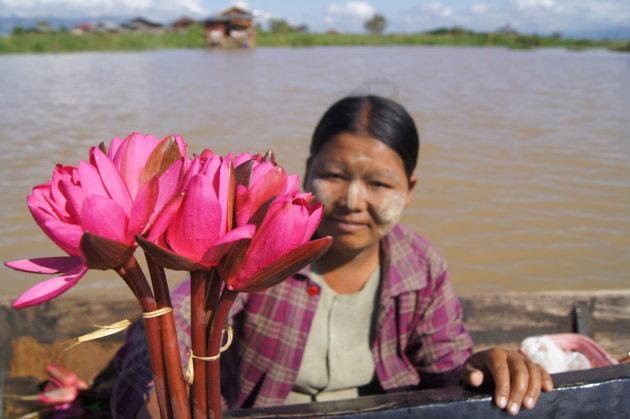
(380, 118)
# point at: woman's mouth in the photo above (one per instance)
(347, 225)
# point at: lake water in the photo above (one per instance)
(525, 161)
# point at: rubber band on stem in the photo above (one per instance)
(157, 313)
(190, 369)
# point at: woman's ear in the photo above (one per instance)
(306, 173)
(413, 180)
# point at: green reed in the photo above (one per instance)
(66, 42)
(194, 38)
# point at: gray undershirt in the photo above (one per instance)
(337, 357)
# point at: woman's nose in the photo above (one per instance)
(356, 196)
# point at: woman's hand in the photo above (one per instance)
(517, 380)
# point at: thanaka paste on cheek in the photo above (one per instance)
(323, 193)
(389, 210)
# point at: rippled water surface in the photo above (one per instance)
(524, 169)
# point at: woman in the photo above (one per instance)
(377, 312)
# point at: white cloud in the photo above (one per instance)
(260, 16)
(438, 9)
(541, 16)
(480, 8)
(528, 16)
(157, 9)
(349, 16)
(241, 5)
(431, 15)
(524, 4)
(568, 15)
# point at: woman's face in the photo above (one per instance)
(363, 186)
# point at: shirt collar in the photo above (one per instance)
(404, 267)
(303, 273)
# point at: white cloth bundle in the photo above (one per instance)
(543, 351)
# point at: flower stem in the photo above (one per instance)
(214, 347)
(170, 345)
(198, 337)
(213, 292)
(132, 274)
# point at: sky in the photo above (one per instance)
(527, 16)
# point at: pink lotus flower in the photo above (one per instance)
(63, 387)
(279, 248)
(59, 396)
(139, 157)
(195, 230)
(93, 212)
(62, 377)
(260, 181)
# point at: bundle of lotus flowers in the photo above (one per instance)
(237, 223)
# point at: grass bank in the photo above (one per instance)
(464, 39)
(66, 42)
(193, 38)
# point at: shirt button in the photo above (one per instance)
(313, 290)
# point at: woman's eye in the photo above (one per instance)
(380, 185)
(332, 176)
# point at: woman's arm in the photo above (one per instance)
(444, 345)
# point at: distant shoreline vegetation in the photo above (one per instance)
(193, 37)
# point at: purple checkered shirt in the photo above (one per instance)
(419, 340)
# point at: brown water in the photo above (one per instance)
(524, 169)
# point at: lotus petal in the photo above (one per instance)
(168, 185)
(241, 158)
(114, 145)
(50, 288)
(91, 181)
(207, 154)
(239, 233)
(49, 265)
(104, 217)
(193, 170)
(64, 377)
(270, 156)
(114, 183)
(243, 172)
(168, 259)
(267, 181)
(164, 218)
(142, 209)
(293, 185)
(274, 237)
(74, 196)
(131, 160)
(225, 185)
(40, 208)
(61, 174)
(244, 205)
(161, 158)
(284, 266)
(60, 395)
(197, 225)
(210, 168)
(43, 208)
(317, 210)
(213, 254)
(66, 236)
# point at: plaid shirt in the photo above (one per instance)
(419, 340)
